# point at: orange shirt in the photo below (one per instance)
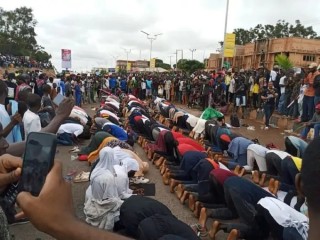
(309, 80)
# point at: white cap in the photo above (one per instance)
(313, 65)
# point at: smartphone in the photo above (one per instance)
(38, 160)
(58, 99)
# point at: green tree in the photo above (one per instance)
(190, 66)
(279, 30)
(161, 64)
(17, 34)
(283, 61)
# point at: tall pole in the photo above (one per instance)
(192, 50)
(127, 52)
(225, 32)
(170, 61)
(151, 40)
(151, 37)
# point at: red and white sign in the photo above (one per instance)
(66, 58)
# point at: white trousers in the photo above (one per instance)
(261, 161)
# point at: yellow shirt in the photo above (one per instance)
(255, 88)
(227, 80)
(298, 162)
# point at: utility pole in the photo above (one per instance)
(225, 32)
(192, 50)
(151, 37)
(127, 52)
(176, 53)
(170, 60)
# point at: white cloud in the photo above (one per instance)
(97, 30)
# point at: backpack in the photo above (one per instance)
(234, 120)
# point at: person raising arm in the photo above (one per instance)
(63, 111)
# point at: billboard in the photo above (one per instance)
(66, 58)
(129, 66)
(152, 63)
(229, 44)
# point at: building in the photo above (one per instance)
(122, 64)
(262, 53)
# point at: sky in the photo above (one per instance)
(100, 31)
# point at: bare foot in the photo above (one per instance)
(179, 191)
(214, 230)
(191, 202)
(233, 235)
(184, 197)
(203, 217)
(262, 179)
(165, 179)
(173, 184)
(197, 209)
(158, 162)
(255, 176)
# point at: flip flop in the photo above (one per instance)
(82, 177)
(74, 148)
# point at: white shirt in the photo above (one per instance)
(258, 149)
(273, 75)
(5, 120)
(31, 122)
(231, 86)
(167, 85)
(181, 83)
(72, 128)
(281, 82)
(143, 85)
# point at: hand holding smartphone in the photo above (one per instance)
(38, 160)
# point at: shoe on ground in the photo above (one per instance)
(139, 180)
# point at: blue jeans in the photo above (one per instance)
(268, 110)
(306, 130)
(282, 107)
(307, 108)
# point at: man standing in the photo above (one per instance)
(268, 96)
(5, 120)
(308, 99)
(148, 87)
(240, 93)
(275, 79)
(167, 87)
(143, 89)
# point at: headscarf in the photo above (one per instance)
(107, 161)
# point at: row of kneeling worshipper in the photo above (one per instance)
(226, 176)
(211, 174)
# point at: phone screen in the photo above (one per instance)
(58, 99)
(37, 162)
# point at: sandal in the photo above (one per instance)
(82, 177)
(199, 230)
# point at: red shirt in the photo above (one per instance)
(191, 142)
(183, 148)
(222, 175)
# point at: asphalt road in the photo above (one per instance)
(28, 232)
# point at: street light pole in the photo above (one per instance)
(127, 52)
(192, 50)
(151, 37)
(170, 60)
(225, 32)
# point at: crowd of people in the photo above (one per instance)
(7, 60)
(201, 158)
